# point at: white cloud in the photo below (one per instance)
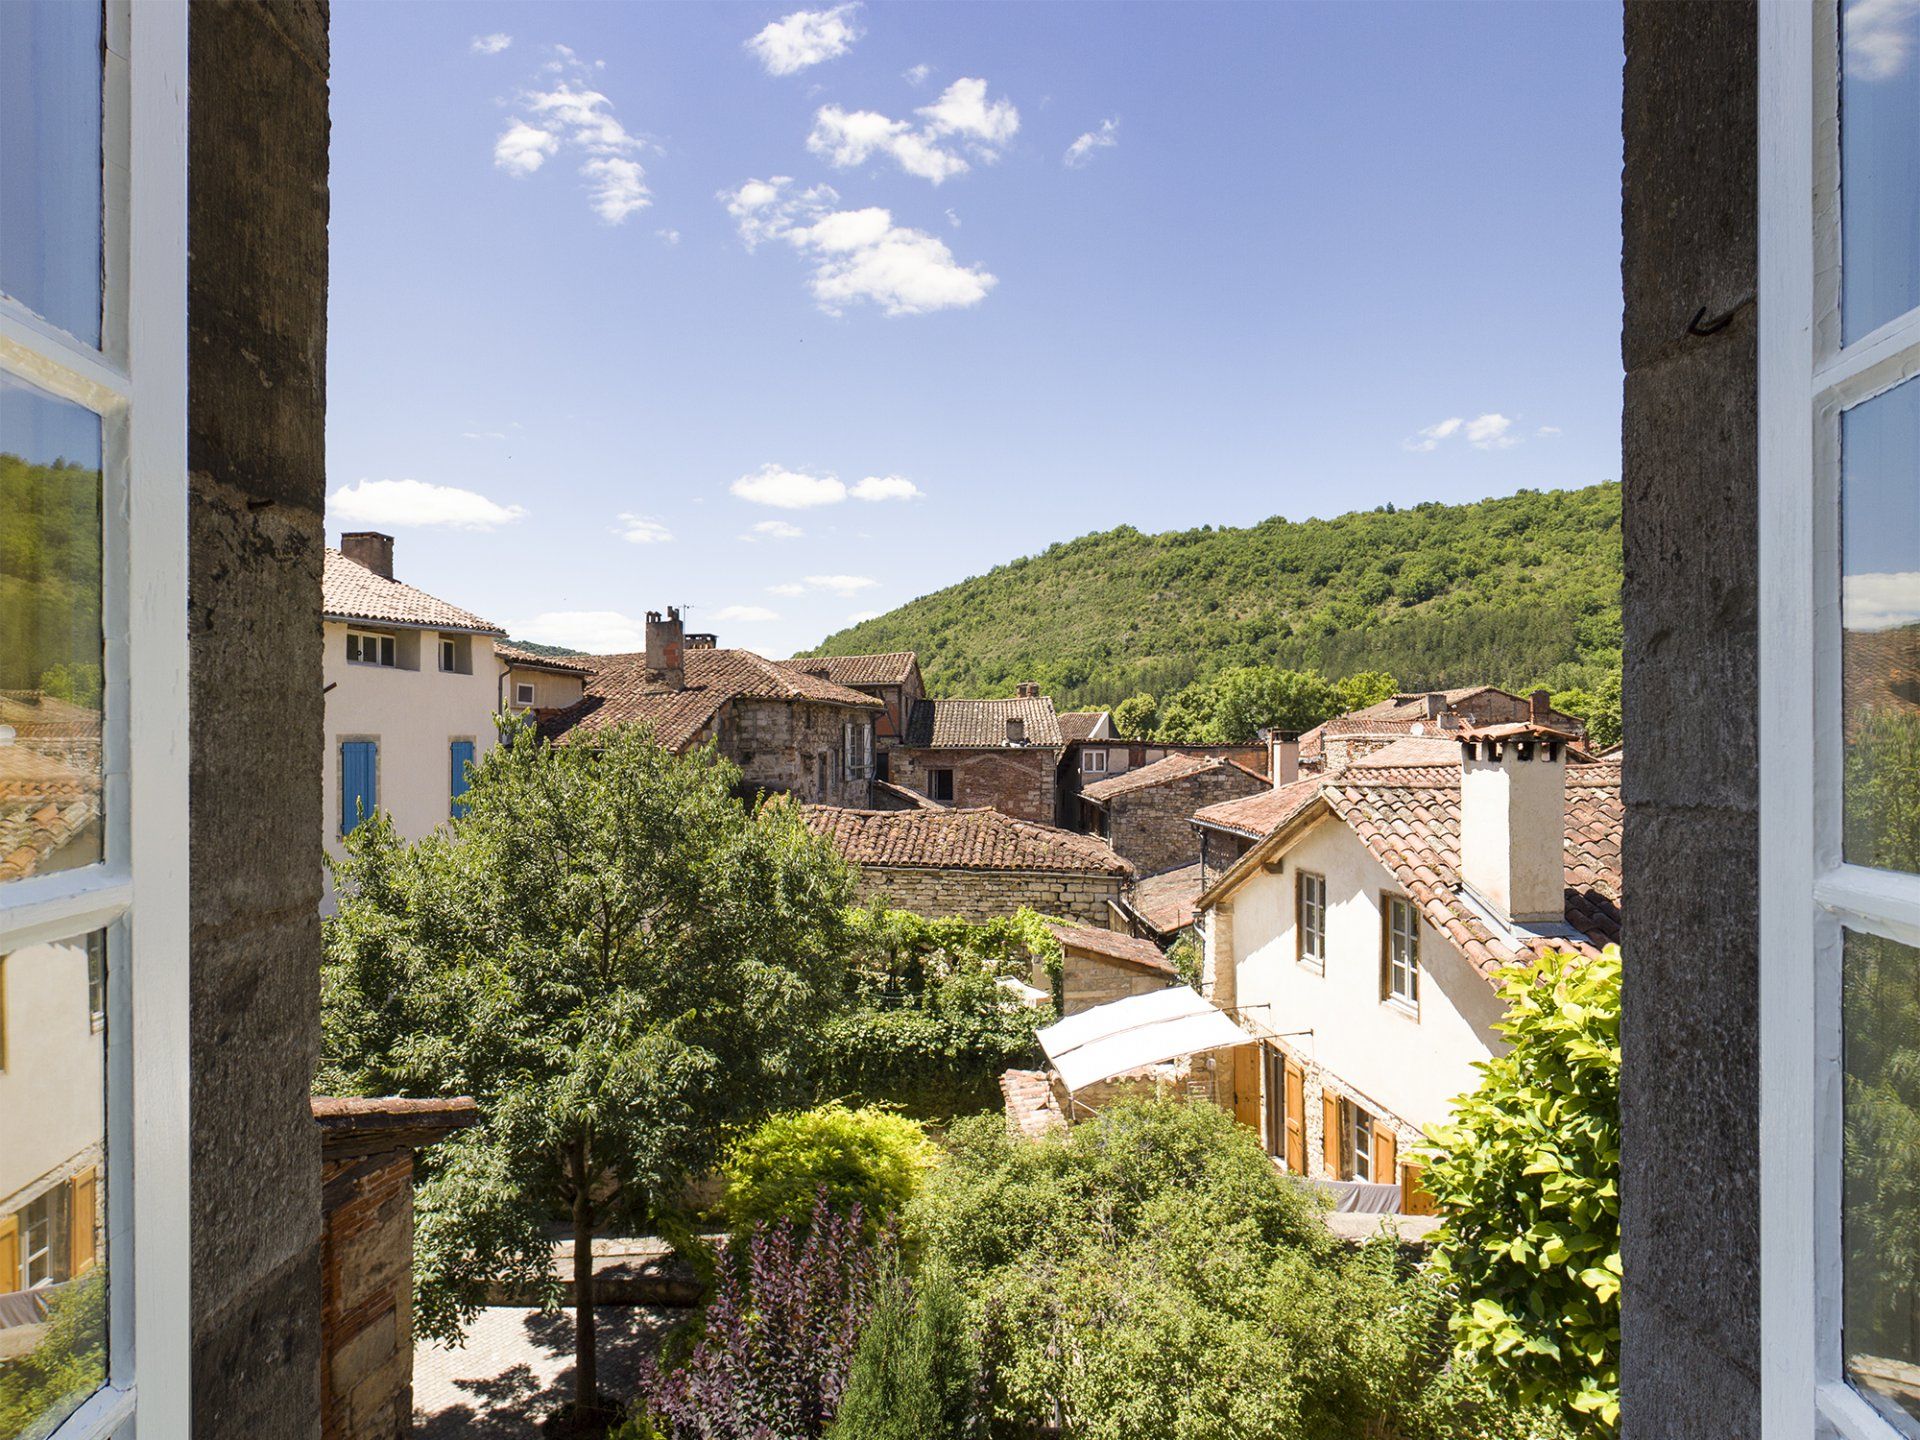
(790, 587)
(1546, 432)
(1483, 432)
(841, 584)
(483, 434)
(669, 237)
(953, 219)
(415, 502)
(786, 489)
(489, 44)
(774, 530)
(744, 614)
(805, 38)
(1880, 36)
(857, 255)
(1430, 438)
(885, 487)
(1880, 601)
(618, 190)
(1489, 432)
(523, 148)
(598, 632)
(850, 137)
(918, 74)
(642, 530)
(1081, 150)
(857, 616)
(963, 109)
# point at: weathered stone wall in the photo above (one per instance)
(366, 1271)
(257, 293)
(1152, 827)
(1090, 980)
(988, 894)
(779, 745)
(1015, 782)
(1690, 1212)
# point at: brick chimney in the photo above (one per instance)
(1283, 757)
(1513, 803)
(1016, 730)
(1027, 690)
(371, 549)
(1540, 708)
(666, 648)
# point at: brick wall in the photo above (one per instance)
(366, 1291)
(988, 894)
(777, 744)
(1151, 827)
(1016, 782)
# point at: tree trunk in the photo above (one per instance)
(586, 1377)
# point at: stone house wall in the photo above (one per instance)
(778, 745)
(1152, 827)
(1016, 782)
(1090, 980)
(989, 894)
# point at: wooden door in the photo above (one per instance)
(1246, 1086)
(1296, 1113)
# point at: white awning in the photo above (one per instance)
(1124, 1035)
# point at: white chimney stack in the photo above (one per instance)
(1513, 804)
(1283, 757)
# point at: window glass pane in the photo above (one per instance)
(50, 645)
(53, 1274)
(50, 89)
(1879, 162)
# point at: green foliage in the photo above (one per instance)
(1500, 592)
(68, 1364)
(1136, 717)
(49, 574)
(1367, 687)
(1187, 956)
(1251, 698)
(617, 960)
(929, 1027)
(867, 1157)
(1598, 704)
(535, 648)
(915, 1375)
(78, 684)
(1527, 1177)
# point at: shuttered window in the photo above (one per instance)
(460, 755)
(359, 782)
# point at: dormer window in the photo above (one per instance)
(366, 648)
(449, 654)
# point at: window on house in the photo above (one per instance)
(366, 648)
(460, 758)
(1093, 762)
(940, 785)
(857, 742)
(449, 654)
(1400, 951)
(1839, 315)
(523, 692)
(359, 783)
(93, 414)
(1360, 1143)
(1310, 892)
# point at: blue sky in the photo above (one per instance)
(615, 287)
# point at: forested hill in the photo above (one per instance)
(1512, 591)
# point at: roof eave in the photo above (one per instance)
(1277, 842)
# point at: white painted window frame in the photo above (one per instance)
(1093, 762)
(1403, 953)
(136, 381)
(383, 643)
(1312, 919)
(525, 702)
(1808, 895)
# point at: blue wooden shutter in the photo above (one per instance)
(461, 753)
(359, 782)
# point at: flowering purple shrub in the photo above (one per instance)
(781, 1330)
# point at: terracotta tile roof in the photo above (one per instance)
(970, 839)
(1411, 750)
(892, 669)
(1258, 816)
(1165, 901)
(1406, 715)
(620, 692)
(1032, 1108)
(533, 659)
(1080, 724)
(350, 591)
(909, 799)
(44, 805)
(1112, 945)
(981, 724)
(1162, 772)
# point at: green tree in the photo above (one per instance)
(616, 959)
(914, 1375)
(1358, 691)
(1598, 705)
(1527, 1180)
(1259, 697)
(68, 1364)
(1136, 717)
(867, 1157)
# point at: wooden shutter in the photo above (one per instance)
(9, 1254)
(1330, 1136)
(1296, 1119)
(1415, 1199)
(1246, 1086)
(85, 1212)
(359, 793)
(460, 756)
(1385, 1156)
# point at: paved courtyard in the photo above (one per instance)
(517, 1365)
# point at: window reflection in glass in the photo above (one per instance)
(1879, 163)
(53, 1274)
(50, 175)
(1880, 612)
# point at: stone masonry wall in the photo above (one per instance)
(1090, 980)
(1690, 1212)
(1151, 827)
(256, 315)
(1015, 782)
(988, 894)
(779, 745)
(366, 1270)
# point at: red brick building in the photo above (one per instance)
(1002, 753)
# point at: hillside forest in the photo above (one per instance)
(50, 578)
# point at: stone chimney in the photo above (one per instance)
(1513, 803)
(666, 648)
(1540, 708)
(1436, 705)
(1027, 690)
(371, 549)
(1283, 757)
(1016, 730)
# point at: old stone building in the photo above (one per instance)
(892, 679)
(975, 863)
(1002, 753)
(1089, 759)
(1146, 814)
(1345, 738)
(1102, 965)
(789, 731)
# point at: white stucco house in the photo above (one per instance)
(412, 689)
(1360, 936)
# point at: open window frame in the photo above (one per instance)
(135, 380)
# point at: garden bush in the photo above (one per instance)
(870, 1159)
(915, 1375)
